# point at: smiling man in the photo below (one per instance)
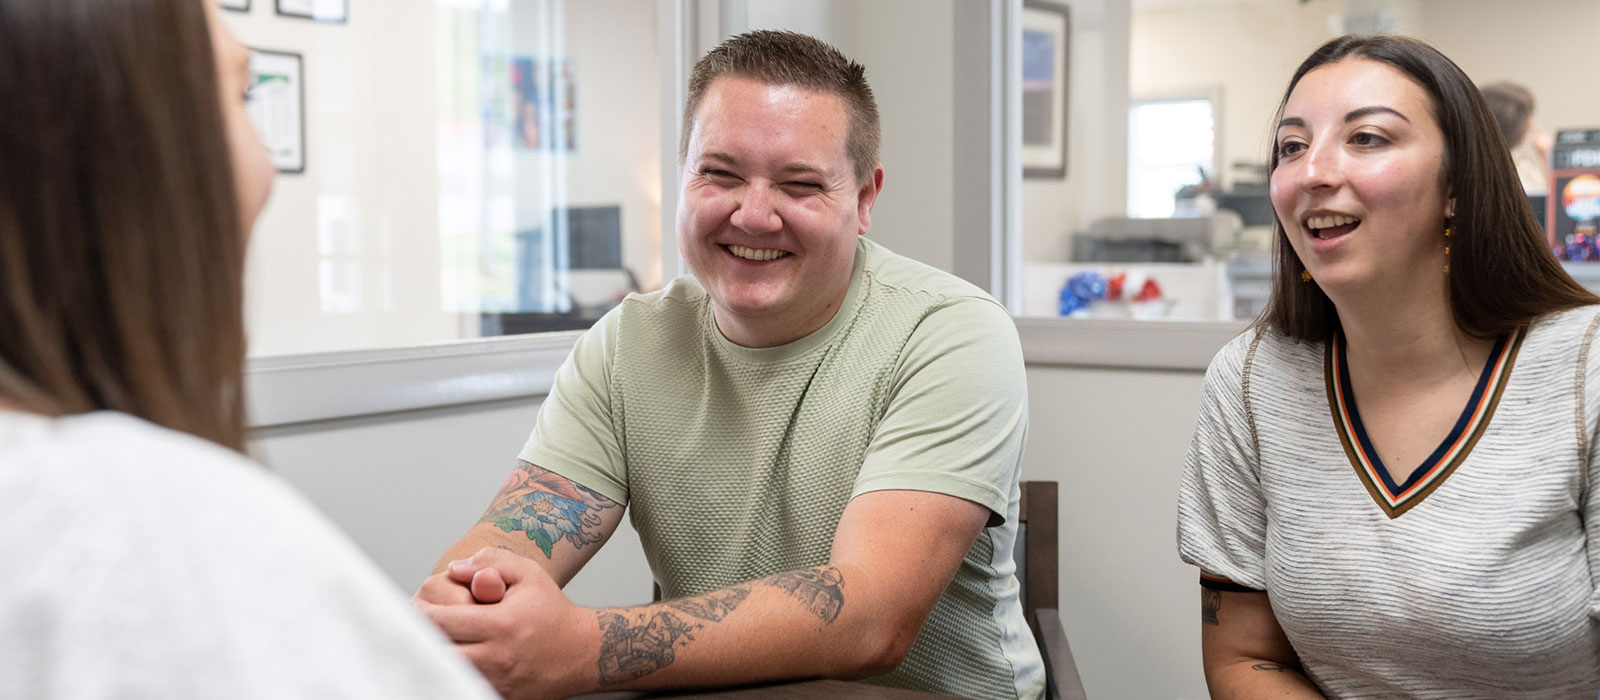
(818, 440)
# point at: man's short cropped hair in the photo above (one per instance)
(789, 58)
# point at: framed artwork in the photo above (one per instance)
(235, 5)
(1046, 40)
(277, 107)
(319, 10)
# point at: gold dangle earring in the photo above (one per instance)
(1448, 229)
(1305, 275)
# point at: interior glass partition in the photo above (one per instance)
(468, 168)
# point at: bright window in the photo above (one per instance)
(1171, 146)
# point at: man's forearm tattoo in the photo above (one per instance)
(1210, 603)
(633, 649)
(547, 508)
(1269, 666)
(821, 589)
(635, 644)
(712, 606)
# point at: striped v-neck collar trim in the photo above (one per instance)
(1397, 498)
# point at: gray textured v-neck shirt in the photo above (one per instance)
(1476, 579)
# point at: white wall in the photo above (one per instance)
(832, 21)
(1115, 440)
(905, 46)
(405, 486)
(1547, 45)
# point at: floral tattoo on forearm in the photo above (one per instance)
(548, 508)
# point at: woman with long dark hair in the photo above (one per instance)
(1391, 487)
(146, 557)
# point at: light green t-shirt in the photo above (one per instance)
(736, 463)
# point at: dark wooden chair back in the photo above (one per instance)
(1039, 563)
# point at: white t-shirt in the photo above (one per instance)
(139, 562)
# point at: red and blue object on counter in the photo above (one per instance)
(1085, 288)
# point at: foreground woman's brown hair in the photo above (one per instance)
(120, 247)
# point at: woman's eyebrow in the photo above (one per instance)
(1352, 116)
(1368, 111)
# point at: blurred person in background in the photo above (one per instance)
(1512, 105)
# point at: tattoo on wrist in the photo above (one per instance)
(1210, 603)
(637, 644)
(548, 508)
(821, 589)
(1269, 666)
(713, 606)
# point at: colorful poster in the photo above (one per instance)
(544, 115)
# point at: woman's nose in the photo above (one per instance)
(1319, 168)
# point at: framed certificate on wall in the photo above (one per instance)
(277, 107)
(319, 10)
(1046, 39)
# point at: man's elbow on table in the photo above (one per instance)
(881, 643)
(898, 551)
(887, 654)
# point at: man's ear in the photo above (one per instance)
(867, 197)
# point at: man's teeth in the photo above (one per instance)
(1320, 222)
(755, 253)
